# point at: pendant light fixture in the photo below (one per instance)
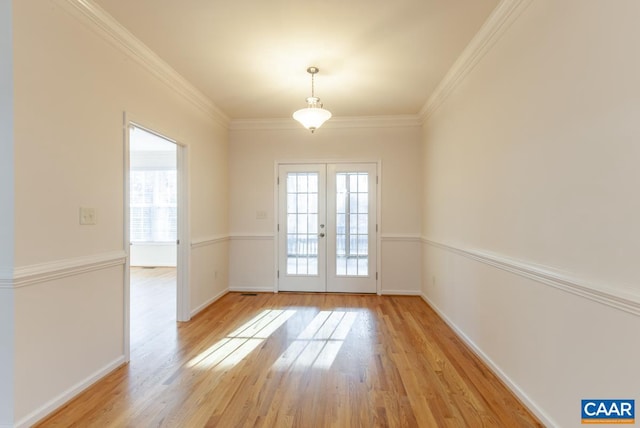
(314, 115)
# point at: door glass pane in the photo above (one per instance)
(340, 224)
(353, 201)
(341, 186)
(302, 223)
(363, 184)
(313, 204)
(302, 183)
(363, 225)
(352, 224)
(291, 224)
(353, 182)
(302, 203)
(292, 183)
(313, 223)
(363, 203)
(313, 183)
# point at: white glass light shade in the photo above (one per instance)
(312, 117)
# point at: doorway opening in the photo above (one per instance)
(155, 282)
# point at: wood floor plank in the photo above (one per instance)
(292, 360)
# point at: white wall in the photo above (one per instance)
(211, 278)
(153, 254)
(530, 205)
(6, 215)
(252, 157)
(66, 330)
(72, 86)
(7, 356)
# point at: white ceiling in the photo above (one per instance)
(376, 57)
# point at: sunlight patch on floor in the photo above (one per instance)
(319, 343)
(239, 343)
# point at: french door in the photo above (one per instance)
(327, 227)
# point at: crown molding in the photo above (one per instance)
(112, 31)
(490, 32)
(279, 124)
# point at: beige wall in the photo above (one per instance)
(252, 156)
(71, 89)
(531, 169)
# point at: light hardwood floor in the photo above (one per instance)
(293, 360)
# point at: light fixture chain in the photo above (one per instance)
(313, 75)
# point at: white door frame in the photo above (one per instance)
(276, 169)
(183, 310)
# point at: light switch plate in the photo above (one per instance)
(261, 215)
(87, 216)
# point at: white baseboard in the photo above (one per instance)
(68, 395)
(252, 289)
(270, 289)
(524, 398)
(400, 293)
(209, 302)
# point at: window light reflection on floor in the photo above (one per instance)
(318, 345)
(237, 345)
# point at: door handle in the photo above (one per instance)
(321, 235)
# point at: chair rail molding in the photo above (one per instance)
(43, 272)
(389, 237)
(618, 298)
(252, 237)
(208, 240)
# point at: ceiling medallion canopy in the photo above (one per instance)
(314, 115)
